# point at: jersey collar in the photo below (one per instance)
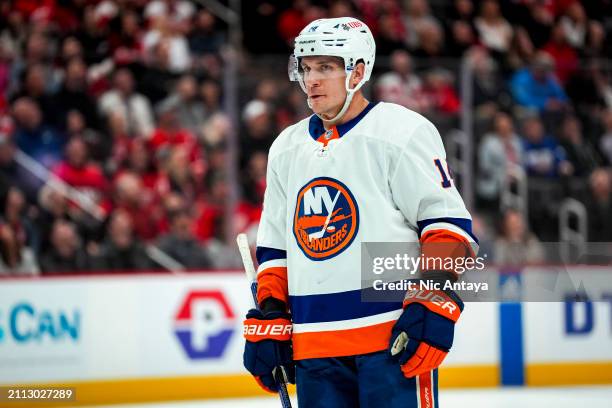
(316, 128)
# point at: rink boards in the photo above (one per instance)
(150, 337)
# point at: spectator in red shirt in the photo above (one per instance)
(126, 44)
(139, 203)
(83, 175)
(169, 132)
(441, 95)
(292, 20)
(139, 161)
(565, 56)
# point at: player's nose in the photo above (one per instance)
(312, 85)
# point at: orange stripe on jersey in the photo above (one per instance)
(425, 390)
(272, 282)
(338, 343)
(441, 244)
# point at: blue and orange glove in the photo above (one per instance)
(423, 334)
(268, 348)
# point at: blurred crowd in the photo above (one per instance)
(115, 144)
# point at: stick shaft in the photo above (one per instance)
(251, 274)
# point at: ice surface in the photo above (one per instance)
(566, 397)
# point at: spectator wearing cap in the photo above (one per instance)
(38, 140)
(181, 244)
(121, 251)
(537, 87)
(258, 132)
(133, 106)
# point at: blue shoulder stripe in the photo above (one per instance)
(264, 254)
(464, 223)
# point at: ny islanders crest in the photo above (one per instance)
(326, 218)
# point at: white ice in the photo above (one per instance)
(520, 397)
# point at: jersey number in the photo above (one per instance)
(446, 180)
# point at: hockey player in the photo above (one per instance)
(353, 172)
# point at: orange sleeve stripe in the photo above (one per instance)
(338, 343)
(272, 282)
(444, 243)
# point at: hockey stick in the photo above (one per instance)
(251, 274)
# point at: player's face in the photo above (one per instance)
(324, 78)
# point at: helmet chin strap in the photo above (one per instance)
(347, 102)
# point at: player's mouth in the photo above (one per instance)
(316, 97)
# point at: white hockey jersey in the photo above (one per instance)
(381, 177)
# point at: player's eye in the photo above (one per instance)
(326, 67)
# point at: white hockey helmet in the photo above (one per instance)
(344, 37)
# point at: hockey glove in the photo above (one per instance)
(423, 334)
(268, 348)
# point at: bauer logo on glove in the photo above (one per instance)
(423, 335)
(277, 329)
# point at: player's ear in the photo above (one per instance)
(357, 74)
